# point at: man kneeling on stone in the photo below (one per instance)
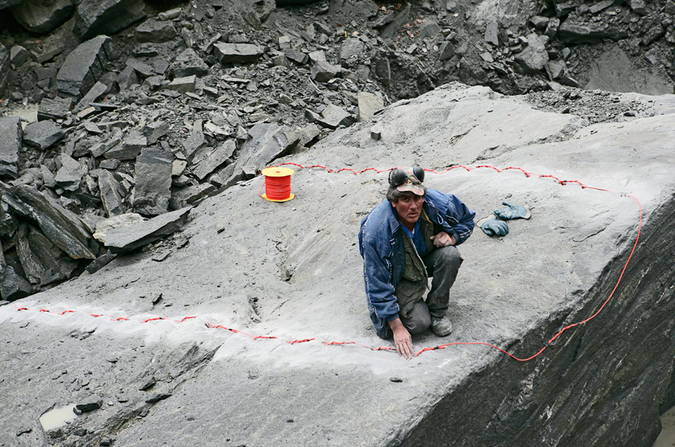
(411, 235)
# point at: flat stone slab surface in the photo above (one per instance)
(262, 314)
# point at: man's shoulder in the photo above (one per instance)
(378, 221)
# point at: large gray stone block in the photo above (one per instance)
(106, 16)
(10, 144)
(43, 134)
(131, 237)
(236, 53)
(43, 16)
(84, 66)
(153, 182)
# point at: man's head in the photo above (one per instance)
(406, 194)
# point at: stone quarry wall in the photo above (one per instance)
(599, 387)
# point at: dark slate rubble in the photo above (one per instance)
(106, 16)
(237, 53)
(42, 134)
(128, 238)
(10, 144)
(84, 66)
(268, 141)
(112, 193)
(153, 182)
(61, 227)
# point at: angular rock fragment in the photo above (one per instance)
(188, 63)
(195, 140)
(99, 89)
(638, 6)
(10, 144)
(155, 130)
(136, 235)
(53, 109)
(268, 141)
(83, 66)
(296, 56)
(575, 30)
(323, 71)
(48, 178)
(12, 285)
(236, 53)
(42, 134)
(208, 160)
(18, 55)
(351, 50)
(60, 226)
(97, 264)
(534, 57)
(4, 67)
(369, 104)
(129, 147)
(112, 193)
(106, 16)
(190, 195)
(492, 33)
(41, 260)
(186, 84)
(39, 16)
(155, 31)
(107, 144)
(70, 174)
(333, 116)
(153, 182)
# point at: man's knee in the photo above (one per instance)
(419, 320)
(449, 256)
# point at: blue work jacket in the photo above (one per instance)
(381, 246)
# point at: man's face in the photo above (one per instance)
(409, 208)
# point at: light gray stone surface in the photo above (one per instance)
(83, 66)
(293, 271)
(106, 16)
(10, 144)
(42, 134)
(40, 16)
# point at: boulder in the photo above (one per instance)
(188, 63)
(186, 84)
(155, 130)
(576, 30)
(83, 66)
(268, 141)
(131, 237)
(534, 57)
(369, 104)
(351, 50)
(12, 285)
(112, 193)
(207, 160)
(333, 116)
(155, 31)
(61, 227)
(54, 109)
(43, 16)
(18, 55)
(106, 16)
(492, 33)
(638, 6)
(194, 140)
(95, 92)
(42, 134)
(129, 147)
(236, 53)
(10, 145)
(153, 182)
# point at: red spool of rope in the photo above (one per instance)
(277, 184)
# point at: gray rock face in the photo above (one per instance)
(268, 142)
(39, 16)
(236, 53)
(61, 227)
(42, 134)
(106, 16)
(137, 235)
(534, 57)
(112, 193)
(208, 160)
(333, 116)
(4, 67)
(153, 182)
(70, 174)
(155, 31)
(83, 66)
(53, 109)
(188, 63)
(369, 104)
(323, 71)
(41, 260)
(10, 144)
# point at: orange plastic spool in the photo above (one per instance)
(277, 184)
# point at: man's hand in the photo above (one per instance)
(402, 339)
(443, 239)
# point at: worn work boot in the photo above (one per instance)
(441, 326)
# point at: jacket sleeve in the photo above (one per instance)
(464, 218)
(378, 282)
